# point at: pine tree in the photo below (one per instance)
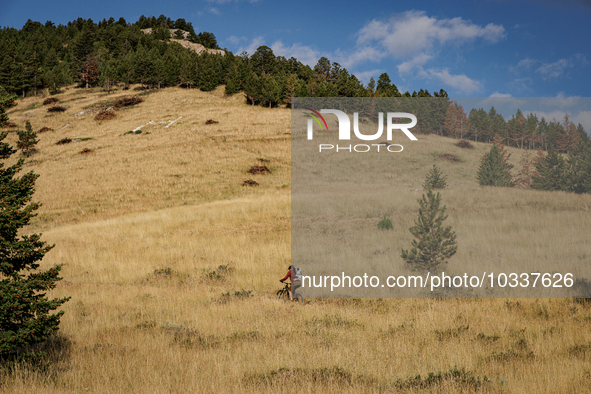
(523, 179)
(371, 86)
(233, 80)
(90, 71)
(208, 40)
(434, 243)
(435, 179)
(456, 123)
(6, 101)
(208, 78)
(568, 137)
(25, 317)
(385, 87)
(517, 129)
(270, 91)
(187, 73)
(494, 169)
(290, 87)
(578, 169)
(550, 172)
(27, 140)
(252, 88)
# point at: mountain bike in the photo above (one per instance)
(283, 294)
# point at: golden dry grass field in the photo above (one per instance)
(173, 265)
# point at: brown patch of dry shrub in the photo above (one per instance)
(465, 144)
(250, 182)
(57, 108)
(449, 157)
(259, 170)
(50, 100)
(105, 115)
(127, 102)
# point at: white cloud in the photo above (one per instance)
(309, 55)
(414, 32)
(526, 63)
(213, 10)
(521, 85)
(415, 62)
(359, 55)
(497, 94)
(416, 39)
(303, 53)
(412, 37)
(561, 101)
(553, 70)
(559, 67)
(252, 47)
(366, 75)
(235, 40)
(461, 82)
(500, 102)
(584, 118)
(556, 115)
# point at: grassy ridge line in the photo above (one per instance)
(188, 163)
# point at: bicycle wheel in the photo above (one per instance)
(282, 294)
(298, 297)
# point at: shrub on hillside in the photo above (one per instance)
(465, 144)
(385, 224)
(449, 157)
(128, 101)
(57, 108)
(105, 115)
(50, 100)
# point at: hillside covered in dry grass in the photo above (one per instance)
(172, 264)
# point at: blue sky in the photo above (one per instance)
(518, 48)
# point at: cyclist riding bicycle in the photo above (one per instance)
(296, 280)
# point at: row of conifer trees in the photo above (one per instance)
(550, 171)
(114, 52)
(46, 56)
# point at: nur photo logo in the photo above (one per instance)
(344, 122)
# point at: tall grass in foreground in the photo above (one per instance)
(172, 267)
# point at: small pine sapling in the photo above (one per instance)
(27, 140)
(434, 243)
(435, 179)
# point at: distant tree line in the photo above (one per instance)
(114, 52)
(43, 56)
(270, 80)
(552, 171)
(520, 131)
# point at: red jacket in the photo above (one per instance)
(288, 275)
